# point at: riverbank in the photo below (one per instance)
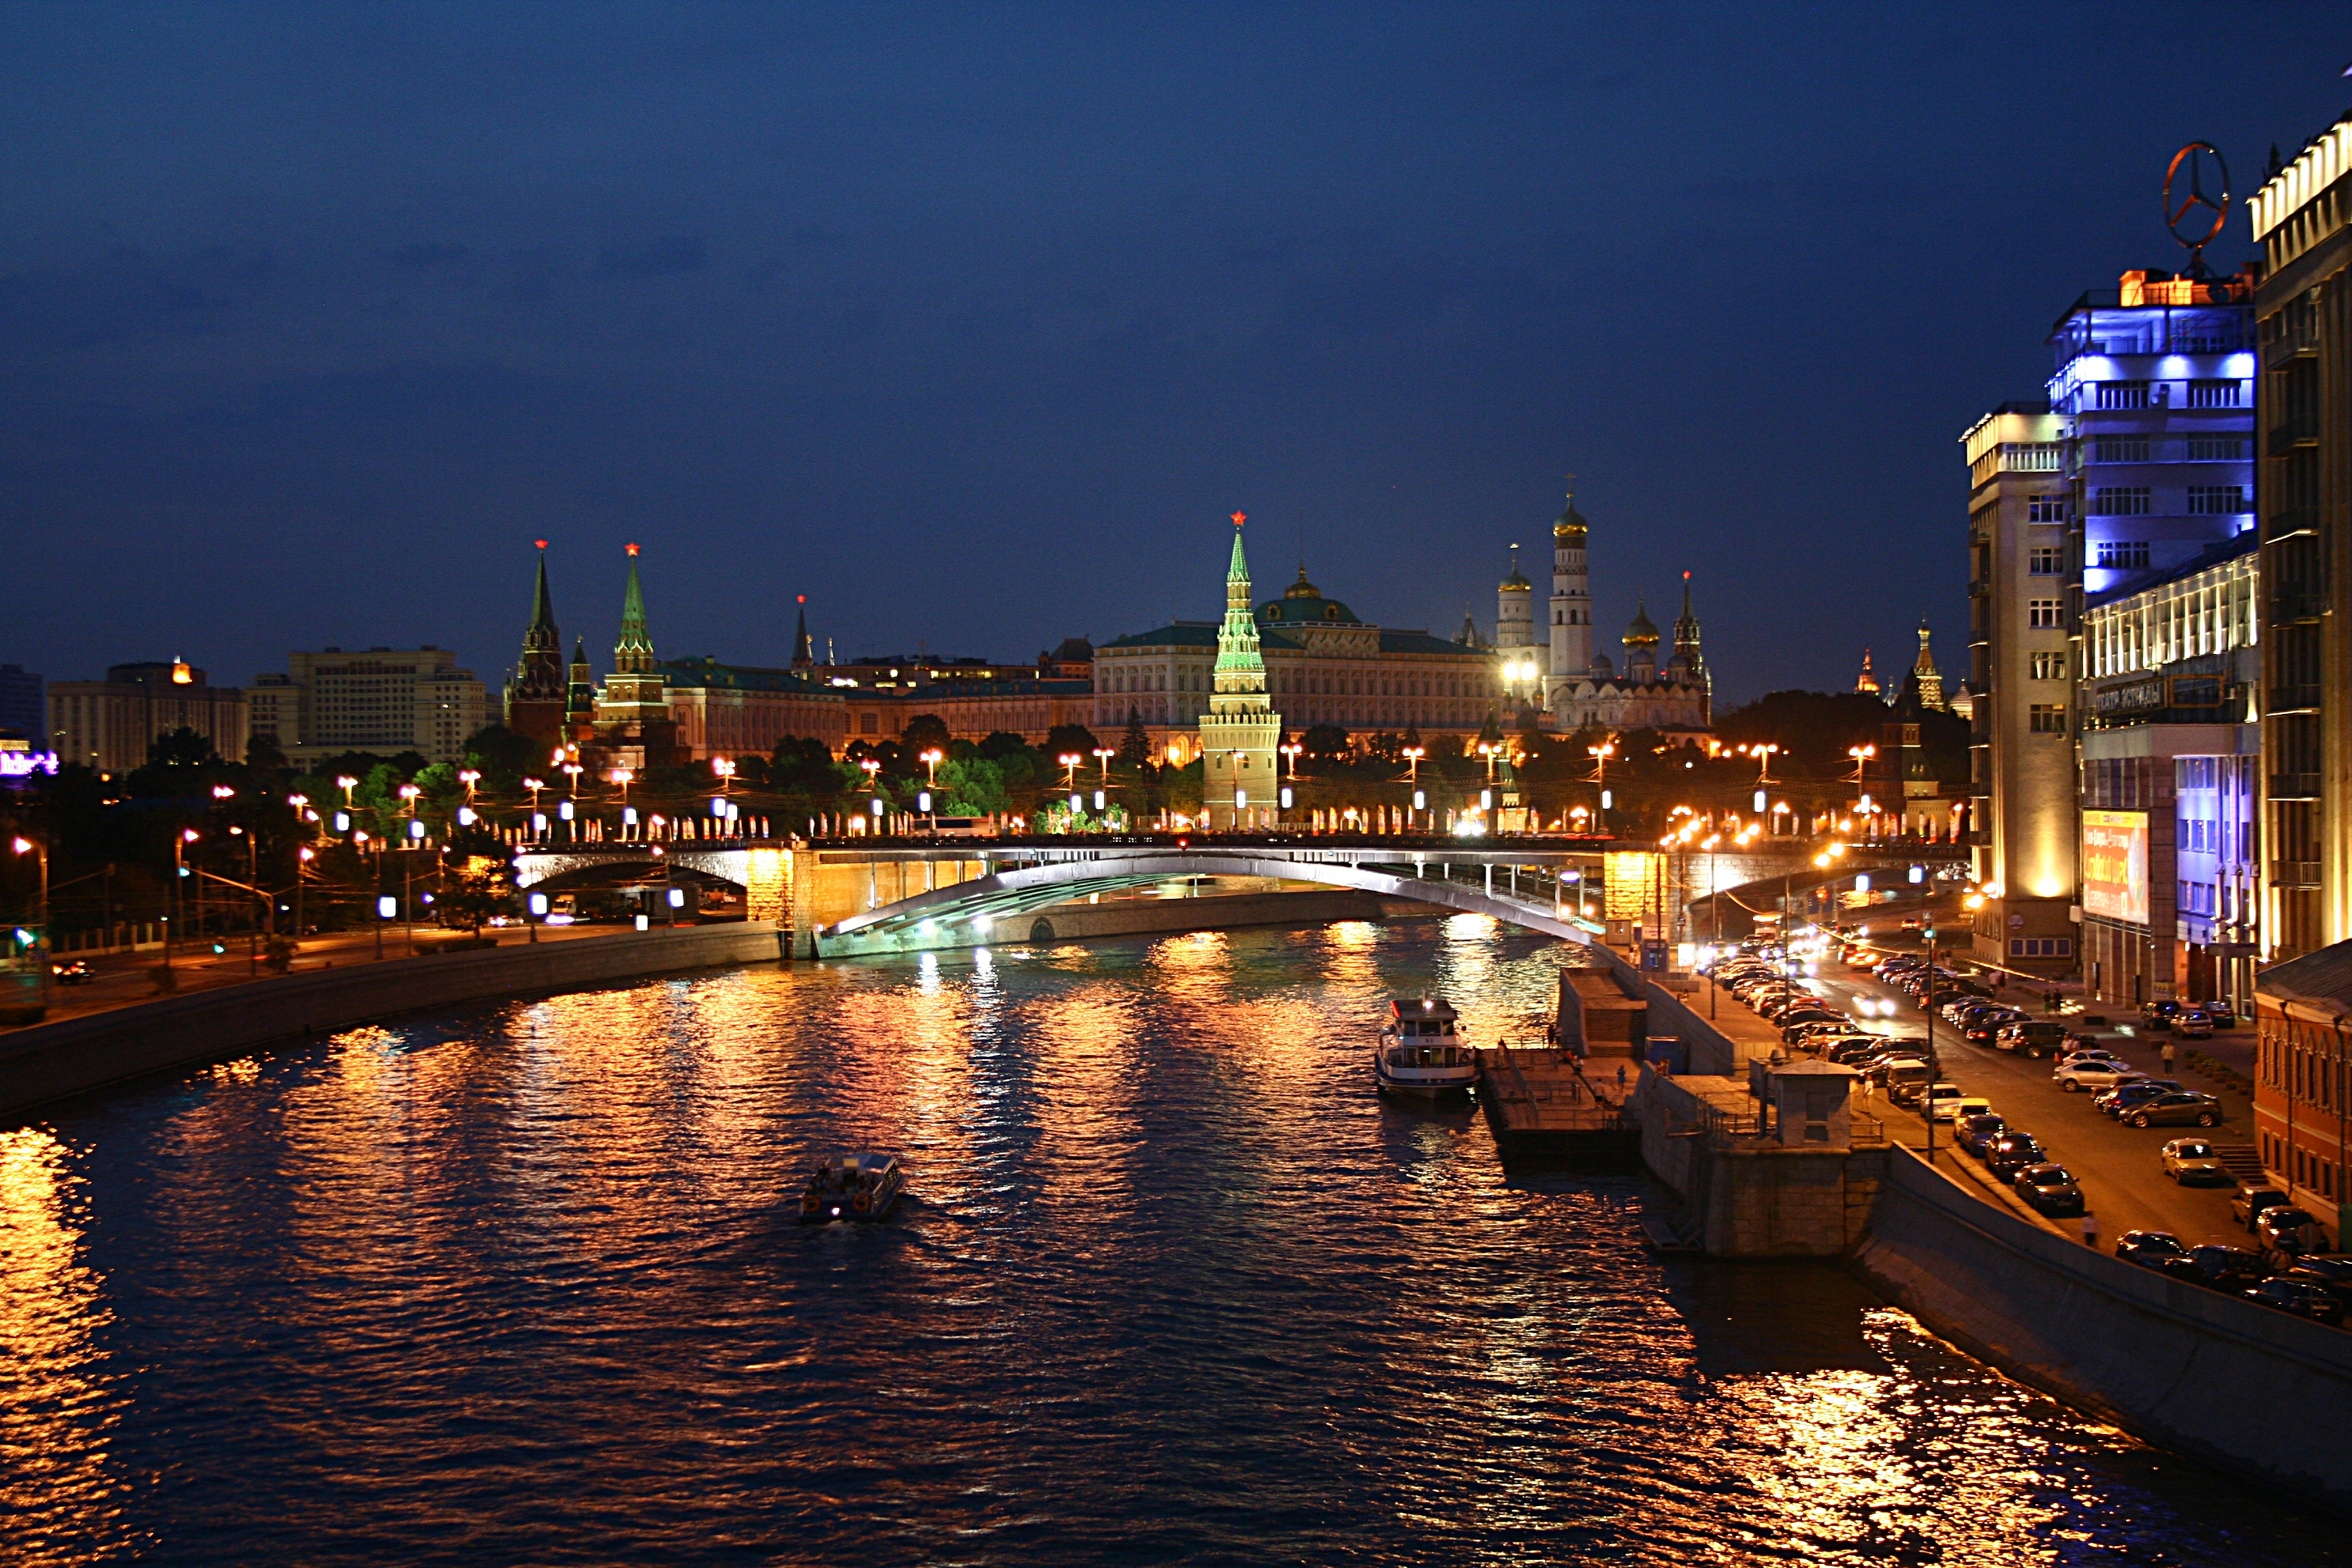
(2258, 1391)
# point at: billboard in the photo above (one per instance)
(2115, 865)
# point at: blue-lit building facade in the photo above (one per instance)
(2155, 384)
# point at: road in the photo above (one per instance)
(2118, 1167)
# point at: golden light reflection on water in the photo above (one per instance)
(58, 1407)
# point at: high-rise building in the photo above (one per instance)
(2136, 462)
(108, 724)
(378, 699)
(1239, 780)
(2022, 768)
(2168, 706)
(2303, 219)
(537, 695)
(24, 704)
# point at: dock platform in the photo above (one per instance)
(1542, 1101)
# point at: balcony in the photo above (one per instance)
(2294, 873)
(2290, 521)
(2290, 605)
(2293, 433)
(2295, 786)
(2303, 699)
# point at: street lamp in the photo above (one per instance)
(930, 758)
(1600, 755)
(1069, 761)
(724, 768)
(42, 947)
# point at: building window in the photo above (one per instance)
(2120, 501)
(2046, 509)
(2046, 719)
(2049, 666)
(2215, 395)
(2046, 561)
(2120, 394)
(2216, 449)
(2213, 501)
(2123, 554)
(2041, 947)
(2044, 614)
(2120, 449)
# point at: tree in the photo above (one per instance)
(1000, 744)
(1066, 738)
(479, 880)
(262, 754)
(1328, 743)
(924, 732)
(501, 756)
(972, 786)
(1135, 746)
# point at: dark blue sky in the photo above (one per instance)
(973, 323)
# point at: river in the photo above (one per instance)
(523, 1283)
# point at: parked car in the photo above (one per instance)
(2157, 1249)
(2303, 1298)
(2034, 1038)
(1915, 1092)
(2125, 1098)
(1853, 1053)
(2183, 1107)
(1957, 1109)
(2014, 1151)
(2225, 1268)
(1798, 1025)
(2251, 1199)
(1890, 1075)
(1985, 1025)
(2224, 1017)
(1974, 1132)
(2050, 1189)
(2157, 1016)
(2285, 1231)
(2332, 1271)
(2192, 1160)
(2081, 1074)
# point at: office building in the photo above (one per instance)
(2304, 320)
(2171, 748)
(2137, 461)
(108, 724)
(380, 699)
(24, 704)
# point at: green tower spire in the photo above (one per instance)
(1240, 783)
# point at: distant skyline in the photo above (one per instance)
(974, 325)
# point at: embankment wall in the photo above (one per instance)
(2257, 1391)
(50, 1061)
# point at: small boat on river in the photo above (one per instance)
(1420, 1052)
(852, 1187)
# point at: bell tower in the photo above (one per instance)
(1572, 599)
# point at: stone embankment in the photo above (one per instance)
(50, 1061)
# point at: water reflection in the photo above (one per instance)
(525, 1284)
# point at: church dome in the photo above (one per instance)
(1570, 527)
(1641, 633)
(1302, 603)
(1516, 582)
(1302, 589)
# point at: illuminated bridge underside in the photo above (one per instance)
(533, 868)
(985, 901)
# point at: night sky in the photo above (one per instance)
(972, 323)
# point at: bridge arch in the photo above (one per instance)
(1004, 901)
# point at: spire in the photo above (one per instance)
(542, 605)
(1866, 681)
(1237, 570)
(1924, 675)
(803, 655)
(1240, 729)
(636, 644)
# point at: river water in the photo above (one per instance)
(522, 1284)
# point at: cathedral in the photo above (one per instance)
(1582, 687)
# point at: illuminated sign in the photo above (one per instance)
(2115, 865)
(18, 759)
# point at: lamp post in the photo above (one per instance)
(872, 771)
(302, 858)
(1600, 755)
(1713, 913)
(42, 947)
(931, 757)
(1235, 758)
(178, 917)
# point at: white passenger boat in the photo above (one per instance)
(1421, 1051)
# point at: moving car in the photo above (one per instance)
(2050, 1189)
(2181, 1108)
(2192, 1160)
(2251, 1199)
(2192, 1025)
(2078, 1075)
(2156, 1015)
(2223, 1014)
(72, 972)
(2157, 1249)
(2301, 1296)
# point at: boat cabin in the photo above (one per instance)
(1422, 1018)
